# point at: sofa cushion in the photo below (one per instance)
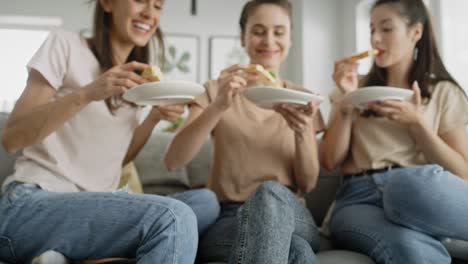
(198, 170)
(7, 161)
(342, 256)
(336, 257)
(154, 176)
(457, 248)
(130, 178)
(319, 200)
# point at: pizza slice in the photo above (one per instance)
(354, 58)
(153, 74)
(267, 75)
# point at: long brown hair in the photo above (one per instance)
(428, 68)
(100, 44)
(252, 5)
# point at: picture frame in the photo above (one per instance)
(182, 53)
(224, 52)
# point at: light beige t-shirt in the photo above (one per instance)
(251, 145)
(378, 142)
(86, 153)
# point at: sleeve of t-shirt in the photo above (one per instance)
(205, 99)
(454, 107)
(51, 59)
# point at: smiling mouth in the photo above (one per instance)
(142, 27)
(267, 52)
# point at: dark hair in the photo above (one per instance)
(428, 68)
(100, 44)
(251, 6)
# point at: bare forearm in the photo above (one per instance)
(334, 146)
(32, 126)
(188, 141)
(437, 151)
(141, 136)
(306, 165)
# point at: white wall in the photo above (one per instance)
(316, 44)
(454, 35)
(322, 45)
(324, 30)
(214, 18)
(76, 14)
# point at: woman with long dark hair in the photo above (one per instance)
(76, 133)
(405, 163)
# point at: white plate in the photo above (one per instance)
(364, 95)
(163, 93)
(267, 97)
(165, 100)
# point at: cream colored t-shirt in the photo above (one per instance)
(377, 142)
(251, 145)
(86, 153)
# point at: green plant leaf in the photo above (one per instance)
(183, 68)
(185, 57)
(172, 52)
(167, 67)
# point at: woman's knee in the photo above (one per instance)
(179, 216)
(272, 191)
(210, 201)
(270, 202)
(206, 208)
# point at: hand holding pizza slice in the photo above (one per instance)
(268, 77)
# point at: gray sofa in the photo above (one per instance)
(156, 179)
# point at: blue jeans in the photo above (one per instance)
(272, 226)
(150, 228)
(400, 216)
(204, 204)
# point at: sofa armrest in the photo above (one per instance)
(319, 200)
(457, 248)
(7, 161)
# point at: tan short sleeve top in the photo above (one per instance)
(378, 142)
(251, 145)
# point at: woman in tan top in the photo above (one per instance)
(405, 162)
(262, 158)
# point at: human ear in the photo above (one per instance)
(106, 5)
(243, 39)
(417, 32)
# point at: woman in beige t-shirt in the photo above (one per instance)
(405, 163)
(262, 158)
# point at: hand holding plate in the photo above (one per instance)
(404, 112)
(299, 118)
(169, 112)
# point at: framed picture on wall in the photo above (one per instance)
(182, 57)
(224, 52)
